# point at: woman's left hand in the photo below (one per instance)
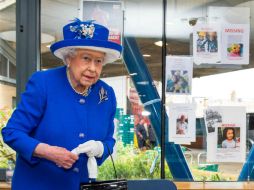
(91, 148)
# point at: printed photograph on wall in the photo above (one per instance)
(212, 119)
(182, 125)
(106, 13)
(235, 47)
(228, 137)
(207, 41)
(178, 82)
(178, 75)
(229, 146)
(206, 44)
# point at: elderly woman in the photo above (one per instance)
(63, 108)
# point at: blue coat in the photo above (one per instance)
(51, 112)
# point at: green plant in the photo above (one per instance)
(132, 164)
(6, 153)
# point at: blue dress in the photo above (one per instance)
(51, 112)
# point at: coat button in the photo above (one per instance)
(76, 170)
(81, 135)
(82, 101)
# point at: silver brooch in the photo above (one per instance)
(103, 95)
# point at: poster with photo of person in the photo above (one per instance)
(228, 141)
(235, 43)
(179, 71)
(206, 44)
(106, 13)
(182, 123)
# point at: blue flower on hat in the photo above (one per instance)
(83, 30)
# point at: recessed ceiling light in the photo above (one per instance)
(159, 43)
(170, 23)
(11, 36)
(4, 4)
(146, 55)
(46, 38)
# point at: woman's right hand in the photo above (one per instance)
(61, 156)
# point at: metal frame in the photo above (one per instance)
(28, 41)
(163, 97)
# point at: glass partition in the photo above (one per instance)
(213, 82)
(7, 72)
(220, 92)
(136, 152)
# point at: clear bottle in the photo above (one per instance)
(9, 171)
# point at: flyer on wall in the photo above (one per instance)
(226, 137)
(206, 44)
(235, 43)
(106, 13)
(179, 71)
(182, 123)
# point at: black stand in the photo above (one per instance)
(160, 184)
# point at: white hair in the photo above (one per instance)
(68, 53)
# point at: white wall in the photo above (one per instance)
(6, 94)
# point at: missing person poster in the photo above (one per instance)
(106, 13)
(226, 138)
(182, 123)
(206, 44)
(178, 74)
(235, 43)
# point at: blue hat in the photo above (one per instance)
(86, 35)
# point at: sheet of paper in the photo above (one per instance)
(179, 74)
(235, 43)
(226, 137)
(182, 123)
(207, 44)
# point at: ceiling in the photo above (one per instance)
(143, 19)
